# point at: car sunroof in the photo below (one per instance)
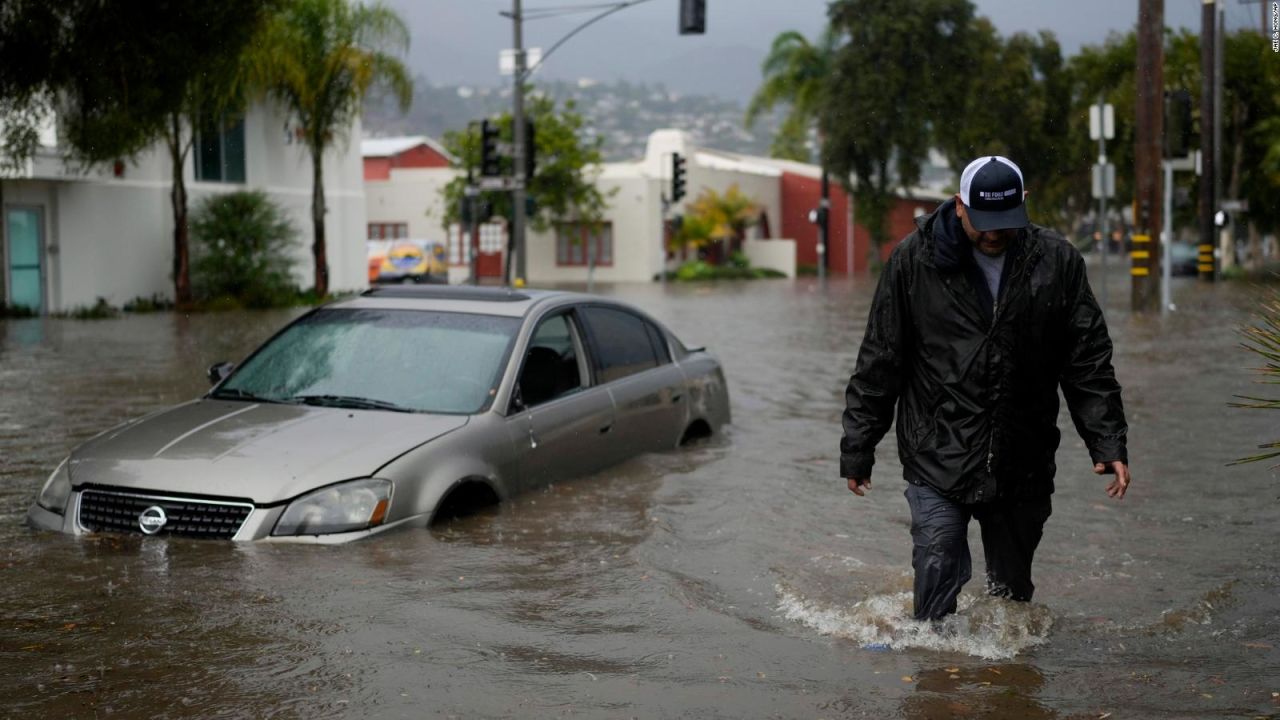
(444, 292)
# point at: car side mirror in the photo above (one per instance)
(219, 371)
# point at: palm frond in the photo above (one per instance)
(1263, 340)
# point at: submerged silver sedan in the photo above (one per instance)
(394, 408)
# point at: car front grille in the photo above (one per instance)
(113, 511)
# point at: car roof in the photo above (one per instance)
(477, 300)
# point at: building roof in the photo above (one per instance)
(810, 170)
(391, 146)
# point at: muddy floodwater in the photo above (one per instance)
(735, 579)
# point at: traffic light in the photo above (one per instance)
(693, 17)
(490, 161)
(677, 177)
(530, 149)
(1177, 123)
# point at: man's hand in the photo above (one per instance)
(859, 487)
(1117, 487)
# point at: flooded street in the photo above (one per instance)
(735, 579)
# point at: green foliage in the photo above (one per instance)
(714, 218)
(320, 58)
(1021, 108)
(903, 67)
(243, 245)
(563, 187)
(700, 270)
(118, 68)
(695, 231)
(16, 311)
(142, 305)
(1251, 101)
(100, 310)
(1263, 340)
(795, 74)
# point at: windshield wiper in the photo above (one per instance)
(348, 401)
(238, 394)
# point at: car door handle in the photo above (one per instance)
(605, 430)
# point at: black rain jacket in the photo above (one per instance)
(975, 379)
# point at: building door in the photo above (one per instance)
(493, 244)
(25, 272)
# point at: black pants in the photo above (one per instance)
(1011, 531)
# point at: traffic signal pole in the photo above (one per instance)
(1149, 122)
(692, 21)
(517, 151)
(1208, 75)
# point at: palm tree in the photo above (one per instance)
(795, 73)
(728, 215)
(1263, 339)
(319, 58)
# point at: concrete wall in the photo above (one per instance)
(634, 208)
(111, 236)
(412, 196)
(777, 255)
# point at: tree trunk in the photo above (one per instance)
(317, 221)
(181, 227)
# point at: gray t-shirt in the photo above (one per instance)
(991, 269)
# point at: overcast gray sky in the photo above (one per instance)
(457, 41)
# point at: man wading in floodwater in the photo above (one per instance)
(978, 317)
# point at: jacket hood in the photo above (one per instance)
(263, 452)
(951, 246)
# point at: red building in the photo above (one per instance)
(382, 154)
(801, 189)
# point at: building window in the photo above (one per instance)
(580, 243)
(220, 153)
(388, 231)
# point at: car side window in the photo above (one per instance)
(621, 342)
(550, 369)
(659, 341)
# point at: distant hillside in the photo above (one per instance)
(622, 113)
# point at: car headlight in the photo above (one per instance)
(56, 489)
(347, 506)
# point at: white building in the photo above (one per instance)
(70, 238)
(403, 187)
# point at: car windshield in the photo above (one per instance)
(408, 360)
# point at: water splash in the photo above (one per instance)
(985, 627)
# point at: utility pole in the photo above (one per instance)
(1149, 121)
(1208, 75)
(824, 225)
(1226, 249)
(517, 150)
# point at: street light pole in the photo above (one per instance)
(517, 150)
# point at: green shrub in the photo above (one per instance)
(155, 303)
(697, 270)
(16, 311)
(100, 310)
(242, 252)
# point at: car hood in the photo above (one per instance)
(263, 452)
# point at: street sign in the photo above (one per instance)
(1235, 205)
(1104, 180)
(498, 183)
(507, 59)
(1102, 122)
